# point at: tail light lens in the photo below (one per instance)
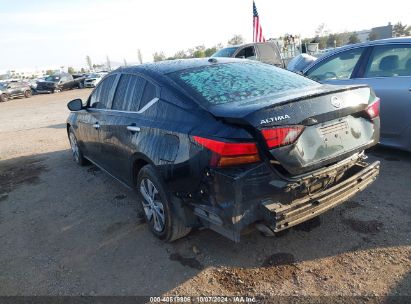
(229, 154)
(282, 136)
(373, 110)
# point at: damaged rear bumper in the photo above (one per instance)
(280, 217)
(259, 196)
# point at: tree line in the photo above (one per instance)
(330, 40)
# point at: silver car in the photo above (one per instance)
(385, 65)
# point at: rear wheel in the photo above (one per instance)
(3, 98)
(157, 207)
(27, 93)
(75, 149)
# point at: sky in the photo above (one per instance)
(53, 33)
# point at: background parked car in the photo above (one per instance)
(59, 82)
(93, 79)
(14, 89)
(267, 52)
(80, 78)
(385, 65)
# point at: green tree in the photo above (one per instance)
(235, 40)
(70, 70)
(210, 51)
(159, 56)
(400, 30)
(139, 56)
(336, 40)
(182, 54)
(89, 63)
(124, 61)
(353, 38)
(82, 70)
(49, 72)
(199, 51)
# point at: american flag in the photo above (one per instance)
(257, 30)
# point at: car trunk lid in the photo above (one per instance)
(330, 118)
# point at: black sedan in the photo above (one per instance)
(227, 143)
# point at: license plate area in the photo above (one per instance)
(334, 132)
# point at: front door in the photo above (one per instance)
(91, 120)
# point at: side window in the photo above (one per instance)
(389, 61)
(247, 52)
(148, 95)
(339, 66)
(128, 93)
(101, 95)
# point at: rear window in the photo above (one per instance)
(226, 52)
(233, 82)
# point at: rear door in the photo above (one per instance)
(13, 89)
(121, 132)
(90, 120)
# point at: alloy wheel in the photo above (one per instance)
(74, 147)
(153, 207)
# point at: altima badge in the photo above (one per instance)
(274, 119)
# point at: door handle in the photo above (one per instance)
(96, 126)
(133, 128)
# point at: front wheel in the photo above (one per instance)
(75, 149)
(27, 93)
(3, 98)
(157, 207)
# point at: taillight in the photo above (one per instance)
(229, 154)
(281, 136)
(373, 110)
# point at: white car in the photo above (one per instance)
(93, 79)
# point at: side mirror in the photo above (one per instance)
(75, 105)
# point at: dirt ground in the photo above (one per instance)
(69, 230)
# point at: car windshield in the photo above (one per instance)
(233, 82)
(53, 78)
(226, 52)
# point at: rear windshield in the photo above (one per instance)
(234, 82)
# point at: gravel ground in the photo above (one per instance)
(69, 230)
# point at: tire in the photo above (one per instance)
(3, 98)
(28, 93)
(81, 85)
(163, 223)
(75, 149)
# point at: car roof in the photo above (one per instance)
(171, 66)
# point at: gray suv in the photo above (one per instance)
(266, 52)
(14, 89)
